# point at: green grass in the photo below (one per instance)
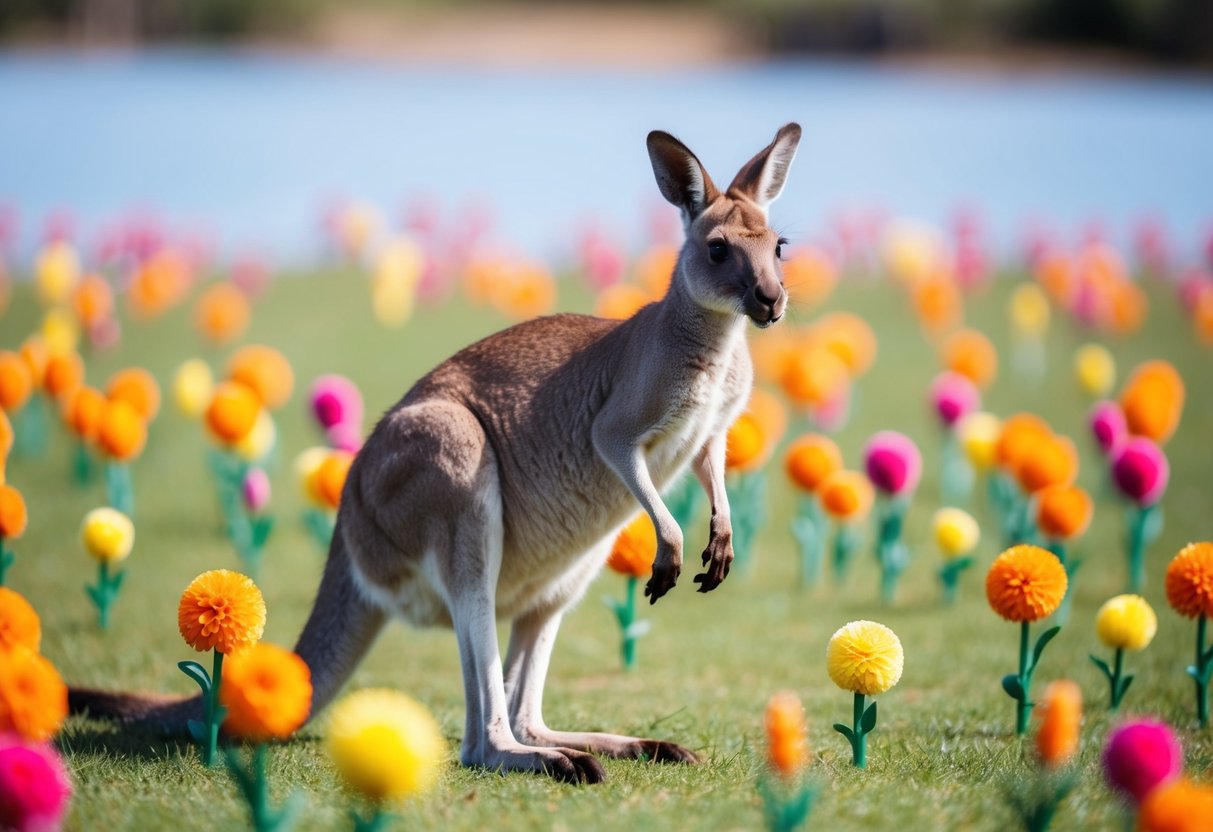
(939, 759)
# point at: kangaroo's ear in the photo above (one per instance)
(680, 176)
(761, 179)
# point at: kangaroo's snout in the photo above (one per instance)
(765, 302)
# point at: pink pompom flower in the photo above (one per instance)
(34, 787)
(256, 490)
(345, 437)
(954, 396)
(1108, 426)
(335, 400)
(893, 463)
(1141, 471)
(1140, 756)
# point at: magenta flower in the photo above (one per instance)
(893, 463)
(1141, 471)
(345, 437)
(1141, 755)
(1108, 426)
(34, 787)
(336, 401)
(954, 396)
(256, 490)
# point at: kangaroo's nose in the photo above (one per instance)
(762, 297)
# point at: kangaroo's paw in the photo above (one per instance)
(665, 575)
(611, 745)
(717, 557)
(564, 764)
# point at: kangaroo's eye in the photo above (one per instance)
(718, 250)
(779, 248)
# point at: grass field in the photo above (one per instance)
(942, 753)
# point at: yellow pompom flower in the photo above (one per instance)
(865, 657)
(1126, 622)
(108, 535)
(956, 532)
(1029, 311)
(307, 463)
(385, 745)
(192, 387)
(56, 272)
(978, 433)
(1095, 370)
(258, 442)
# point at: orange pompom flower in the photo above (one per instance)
(1025, 583)
(92, 301)
(222, 313)
(1177, 806)
(221, 610)
(121, 433)
(20, 628)
(1018, 435)
(787, 741)
(1049, 461)
(847, 496)
(138, 388)
(971, 354)
(811, 459)
(1189, 581)
(35, 354)
(635, 548)
(64, 373)
(1063, 512)
(772, 416)
(850, 338)
(326, 481)
(745, 444)
(620, 301)
(1153, 401)
(265, 371)
(82, 411)
(1057, 735)
(267, 691)
(12, 513)
(814, 376)
(15, 382)
(232, 412)
(33, 698)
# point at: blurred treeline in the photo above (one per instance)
(1168, 31)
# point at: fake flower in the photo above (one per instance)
(137, 387)
(122, 432)
(1153, 400)
(34, 786)
(15, 382)
(1025, 583)
(335, 400)
(1107, 423)
(810, 460)
(385, 745)
(221, 610)
(1060, 722)
(20, 628)
(970, 353)
(33, 698)
(787, 740)
(222, 313)
(893, 463)
(1139, 756)
(1063, 512)
(1141, 471)
(745, 443)
(193, 385)
(865, 658)
(108, 535)
(1095, 370)
(956, 532)
(1126, 622)
(953, 396)
(1179, 806)
(635, 548)
(232, 412)
(847, 496)
(265, 371)
(267, 691)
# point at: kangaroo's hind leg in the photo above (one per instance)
(531, 641)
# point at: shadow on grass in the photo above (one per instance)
(85, 738)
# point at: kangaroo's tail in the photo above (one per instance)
(337, 635)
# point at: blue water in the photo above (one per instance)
(251, 146)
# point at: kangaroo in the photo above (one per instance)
(494, 489)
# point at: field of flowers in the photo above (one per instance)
(945, 459)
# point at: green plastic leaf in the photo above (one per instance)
(868, 722)
(197, 730)
(1192, 671)
(1042, 642)
(1124, 684)
(198, 673)
(116, 581)
(1102, 665)
(845, 730)
(1012, 685)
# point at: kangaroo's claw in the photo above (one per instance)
(662, 581)
(718, 558)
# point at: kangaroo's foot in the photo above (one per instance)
(612, 745)
(564, 764)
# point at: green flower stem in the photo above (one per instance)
(254, 786)
(956, 472)
(1202, 672)
(1024, 707)
(846, 541)
(213, 717)
(104, 592)
(1118, 669)
(747, 499)
(83, 468)
(118, 489)
(7, 558)
(786, 805)
(809, 527)
(891, 552)
(859, 746)
(377, 822)
(1144, 525)
(627, 617)
(949, 577)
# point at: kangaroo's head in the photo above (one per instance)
(730, 260)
